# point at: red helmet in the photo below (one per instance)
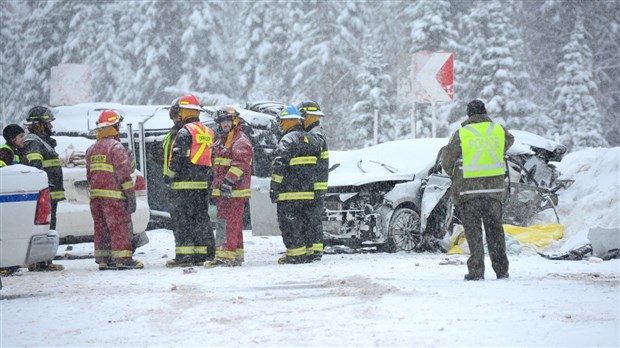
(189, 102)
(108, 118)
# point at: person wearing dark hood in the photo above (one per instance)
(40, 152)
(12, 152)
(474, 158)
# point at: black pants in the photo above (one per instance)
(191, 225)
(315, 230)
(294, 219)
(487, 211)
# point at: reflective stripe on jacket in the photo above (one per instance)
(233, 163)
(40, 153)
(482, 145)
(108, 169)
(294, 164)
(202, 139)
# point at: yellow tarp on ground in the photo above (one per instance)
(537, 235)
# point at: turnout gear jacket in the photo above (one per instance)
(316, 133)
(294, 163)
(233, 163)
(485, 145)
(108, 170)
(40, 152)
(190, 162)
(10, 155)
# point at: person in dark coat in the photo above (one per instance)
(40, 150)
(292, 185)
(474, 158)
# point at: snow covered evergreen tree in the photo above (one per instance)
(495, 71)
(430, 28)
(373, 90)
(574, 108)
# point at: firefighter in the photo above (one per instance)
(232, 169)
(39, 148)
(190, 172)
(292, 184)
(312, 114)
(12, 152)
(112, 195)
(474, 158)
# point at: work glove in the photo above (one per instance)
(273, 194)
(131, 202)
(226, 188)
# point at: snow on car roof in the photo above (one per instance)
(81, 118)
(393, 160)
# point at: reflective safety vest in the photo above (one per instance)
(16, 159)
(202, 138)
(482, 145)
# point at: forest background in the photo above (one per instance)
(551, 67)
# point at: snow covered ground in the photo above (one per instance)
(402, 299)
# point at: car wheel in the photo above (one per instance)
(404, 230)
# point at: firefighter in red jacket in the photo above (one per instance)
(232, 168)
(190, 172)
(112, 196)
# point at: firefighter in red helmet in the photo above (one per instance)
(232, 168)
(112, 195)
(190, 173)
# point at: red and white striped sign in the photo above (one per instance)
(433, 77)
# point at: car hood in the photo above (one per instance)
(399, 160)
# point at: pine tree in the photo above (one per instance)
(574, 108)
(373, 85)
(495, 71)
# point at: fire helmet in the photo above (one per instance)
(189, 107)
(310, 108)
(39, 114)
(288, 113)
(226, 113)
(108, 118)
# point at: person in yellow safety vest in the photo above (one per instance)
(112, 195)
(474, 158)
(232, 173)
(12, 152)
(190, 173)
(292, 185)
(312, 114)
(40, 152)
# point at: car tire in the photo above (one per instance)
(403, 230)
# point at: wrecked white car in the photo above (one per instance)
(393, 196)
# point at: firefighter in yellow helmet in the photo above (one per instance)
(190, 173)
(312, 114)
(292, 185)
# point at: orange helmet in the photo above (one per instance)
(108, 118)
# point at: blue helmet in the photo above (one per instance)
(290, 112)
